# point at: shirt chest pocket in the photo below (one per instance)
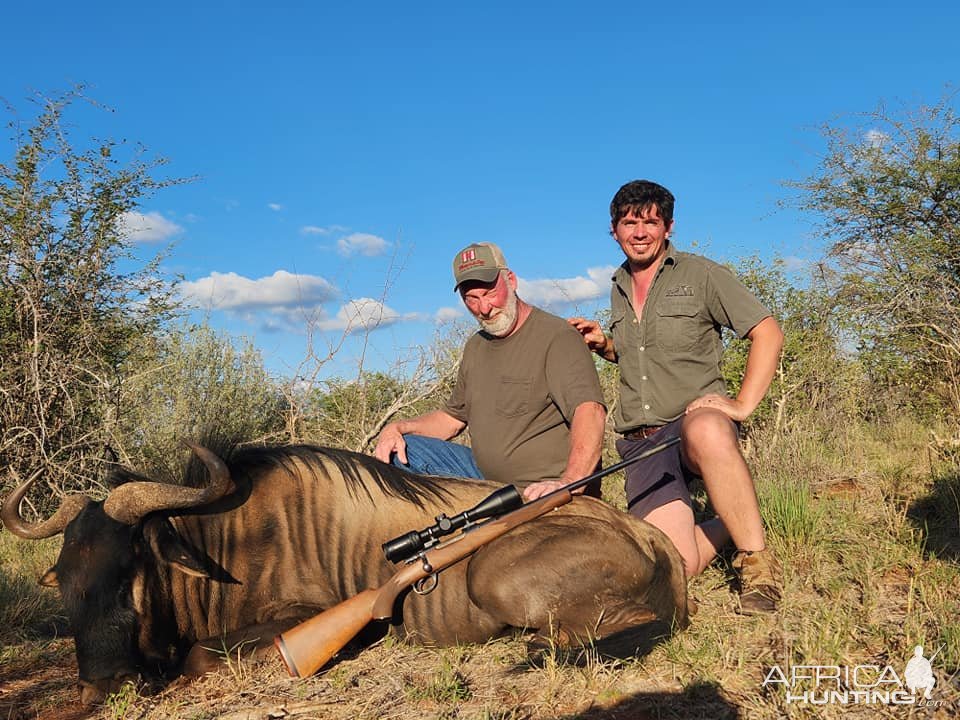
(513, 396)
(678, 324)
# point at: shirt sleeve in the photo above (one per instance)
(457, 402)
(731, 304)
(571, 373)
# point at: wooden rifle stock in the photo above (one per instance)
(308, 646)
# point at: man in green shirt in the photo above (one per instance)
(527, 388)
(667, 311)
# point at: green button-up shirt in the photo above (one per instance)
(671, 356)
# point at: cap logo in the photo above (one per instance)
(468, 255)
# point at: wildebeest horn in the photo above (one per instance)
(10, 514)
(131, 502)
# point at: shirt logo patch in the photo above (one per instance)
(680, 291)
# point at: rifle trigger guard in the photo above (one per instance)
(425, 586)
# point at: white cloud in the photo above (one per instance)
(146, 228)
(276, 207)
(567, 290)
(280, 291)
(875, 138)
(794, 264)
(448, 314)
(362, 243)
(284, 302)
(361, 314)
(319, 230)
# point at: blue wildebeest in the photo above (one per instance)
(158, 576)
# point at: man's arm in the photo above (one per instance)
(436, 424)
(586, 439)
(594, 337)
(766, 341)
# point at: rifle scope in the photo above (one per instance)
(409, 544)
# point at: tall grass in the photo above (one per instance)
(26, 608)
(790, 512)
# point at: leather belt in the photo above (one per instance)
(642, 433)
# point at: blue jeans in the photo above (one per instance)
(430, 456)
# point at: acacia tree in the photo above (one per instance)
(71, 313)
(888, 194)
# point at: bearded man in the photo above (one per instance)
(527, 388)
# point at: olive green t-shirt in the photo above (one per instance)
(518, 395)
(672, 355)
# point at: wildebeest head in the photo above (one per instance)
(110, 555)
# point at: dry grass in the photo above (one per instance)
(866, 523)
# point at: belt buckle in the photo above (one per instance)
(642, 432)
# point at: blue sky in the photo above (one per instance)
(341, 150)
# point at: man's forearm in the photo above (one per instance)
(586, 440)
(437, 424)
(766, 341)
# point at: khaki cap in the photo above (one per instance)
(479, 261)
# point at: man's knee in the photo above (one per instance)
(432, 456)
(709, 431)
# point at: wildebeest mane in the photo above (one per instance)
(246, 463)
(356, 469)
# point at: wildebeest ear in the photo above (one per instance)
(49, 579)
(169, 547)
(119, 475)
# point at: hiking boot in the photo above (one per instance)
(760, 579)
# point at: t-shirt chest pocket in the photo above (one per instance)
(513, 396)
(678, 325)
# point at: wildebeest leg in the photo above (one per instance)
(581, 579)
(255, 642)
(247, 643)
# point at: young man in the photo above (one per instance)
(527, 388)
(667, 310)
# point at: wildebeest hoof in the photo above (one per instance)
(202, 659)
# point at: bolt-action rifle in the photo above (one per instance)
(308, 646)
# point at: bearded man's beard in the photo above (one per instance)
(502, 323)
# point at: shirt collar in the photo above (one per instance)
(621, 276)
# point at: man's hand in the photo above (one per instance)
(728, 406)
(592, 333)
(594, 338)
(391, 441)
(545, 487)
